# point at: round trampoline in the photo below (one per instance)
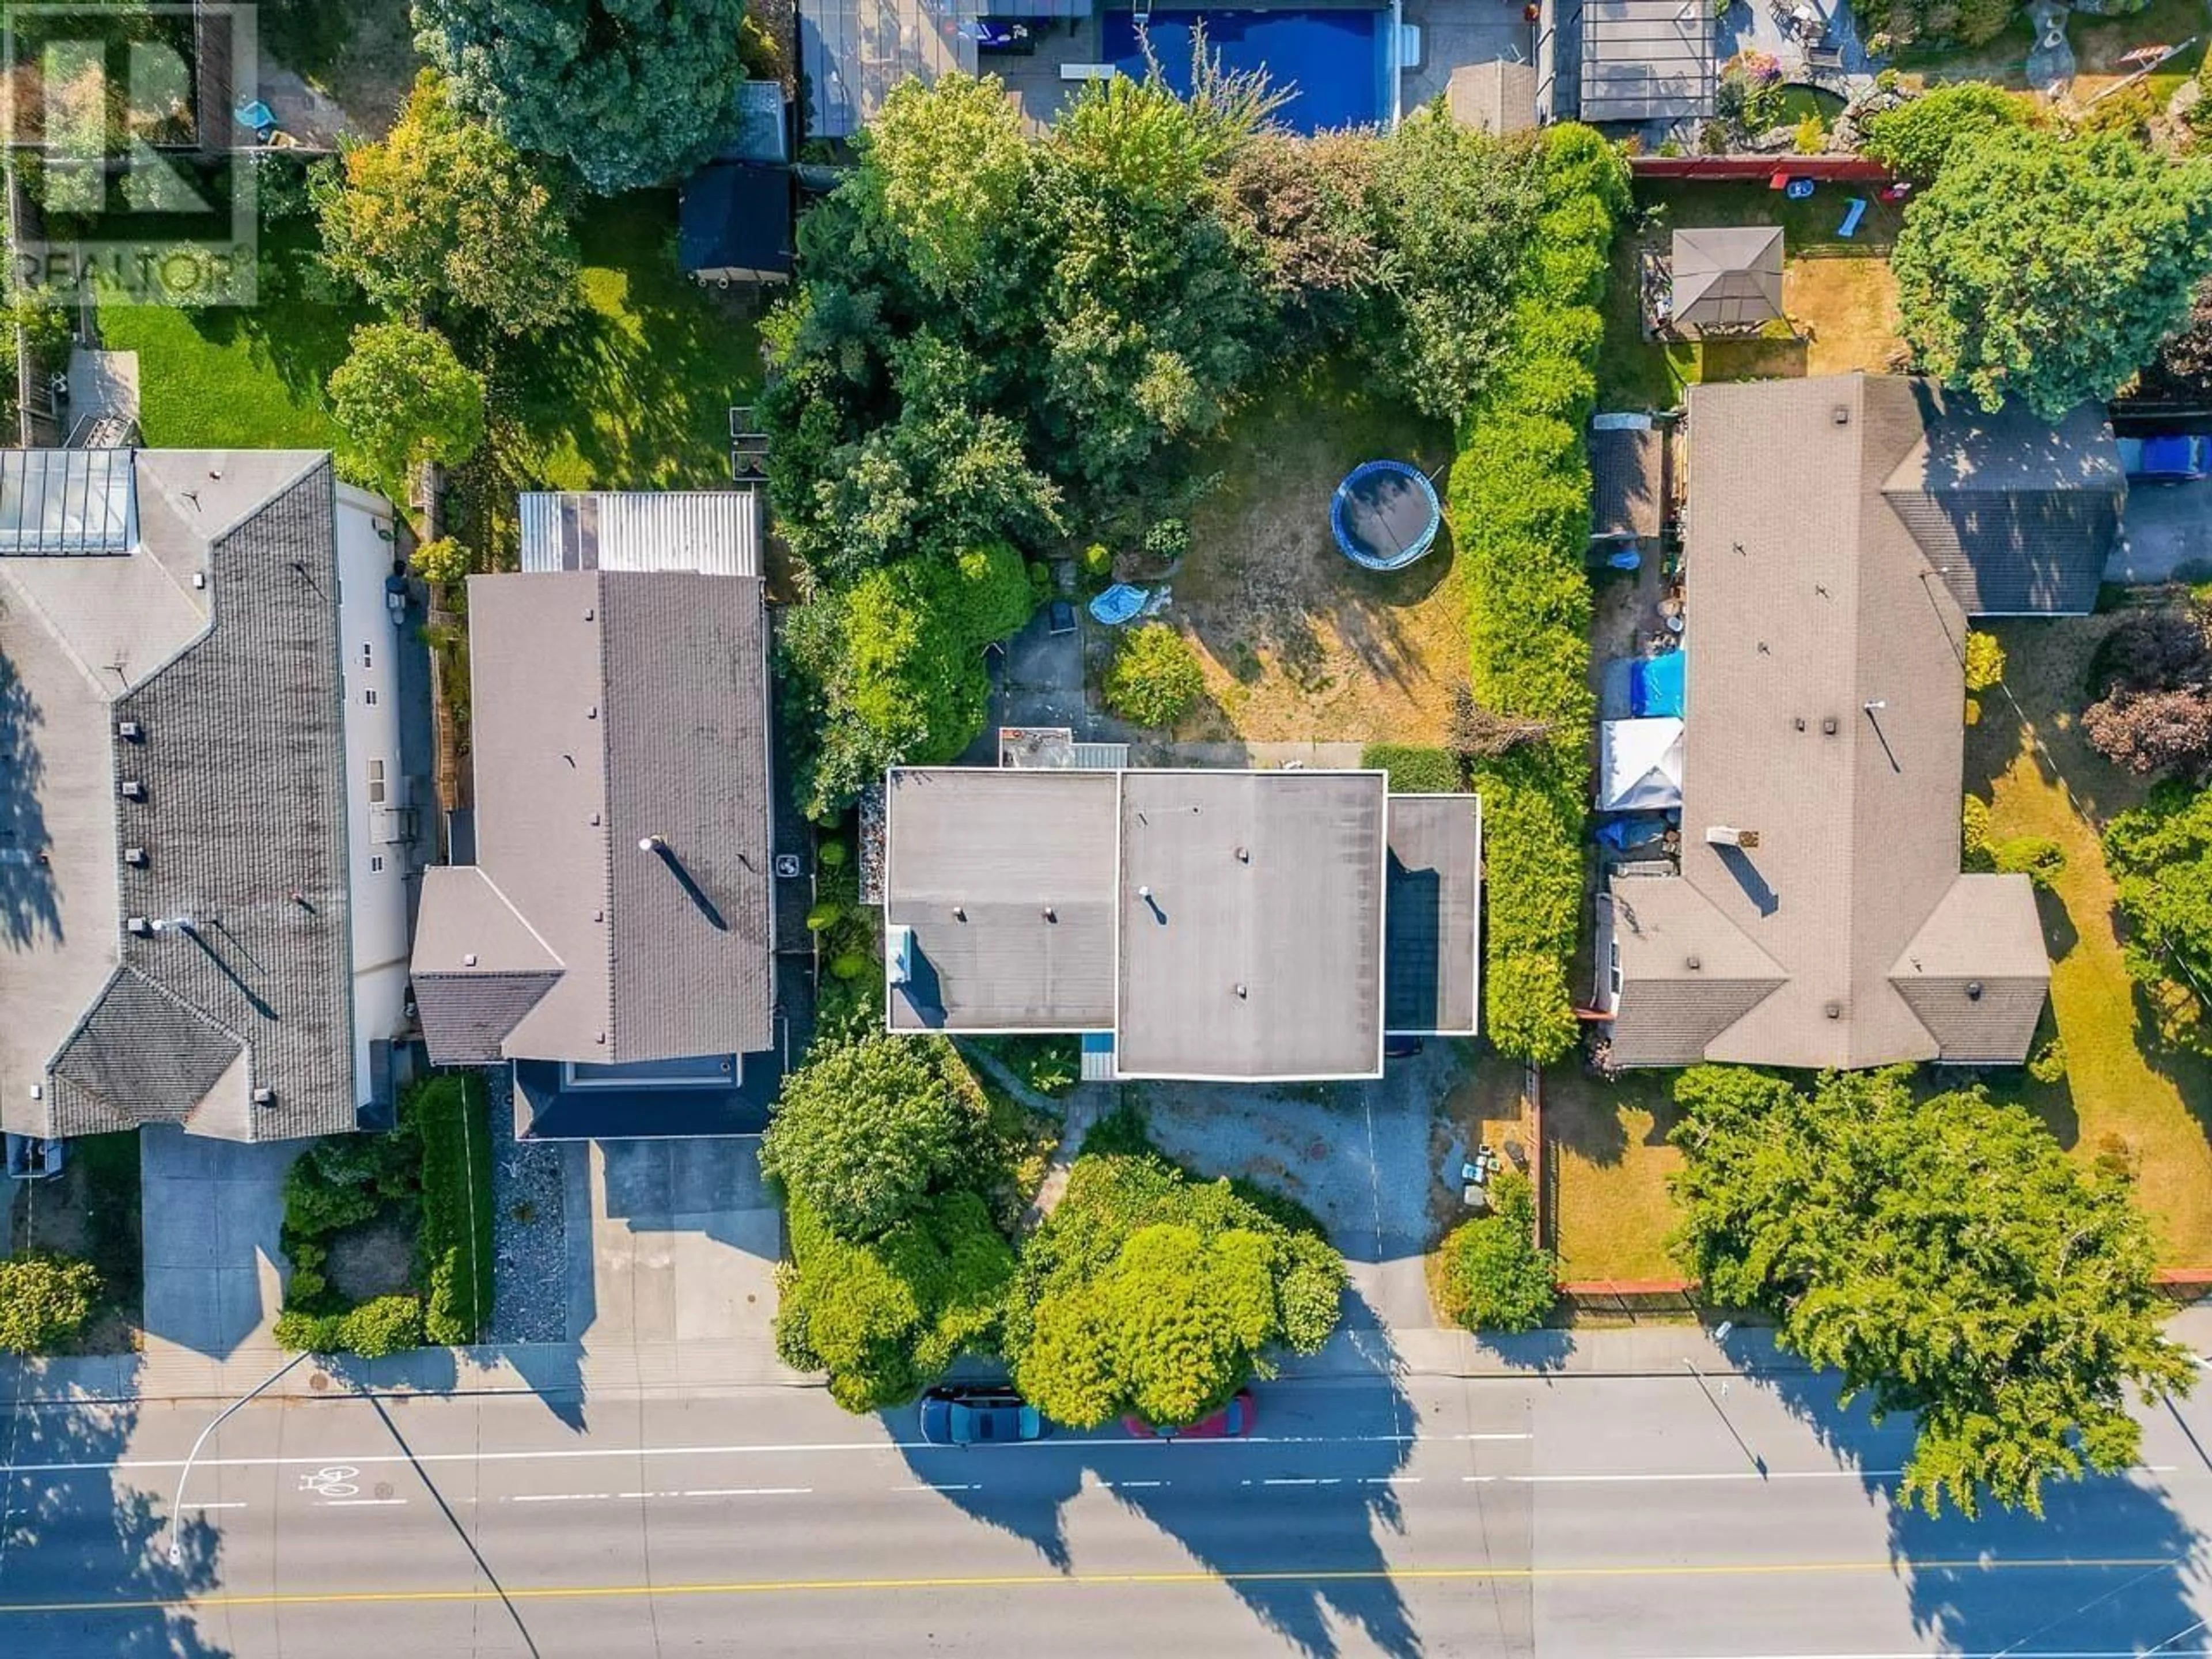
(1385, 514)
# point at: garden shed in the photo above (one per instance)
(734, 223)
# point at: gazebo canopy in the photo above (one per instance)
(1728, 278)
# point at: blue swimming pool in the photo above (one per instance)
(1334, 63)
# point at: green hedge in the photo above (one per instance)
(1415, 770)
(1520, 512)
(454, 1247)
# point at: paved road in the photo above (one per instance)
(1623, 1516)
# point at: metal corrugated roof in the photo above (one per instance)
(713, 532)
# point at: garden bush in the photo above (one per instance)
(1154, 676)
(1519, 511)
(886, 1317)
(1491, 1274)
(45, 1299)
(1415, 770)
(1151, 1292)
(383, 1326)
(868, 1129)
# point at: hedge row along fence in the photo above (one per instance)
(1519, 504)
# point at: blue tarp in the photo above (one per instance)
(1655, 686)
(1118, 603)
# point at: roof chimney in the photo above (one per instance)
(1721, 835)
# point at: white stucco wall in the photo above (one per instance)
(368, 643)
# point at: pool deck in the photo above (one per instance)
(1458, 33)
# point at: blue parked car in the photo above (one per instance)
(979, 1414)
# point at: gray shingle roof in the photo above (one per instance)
(609, 708)
(239, 772)
(1826, 716)
(2018, 516)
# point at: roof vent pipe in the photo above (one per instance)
(651, 844)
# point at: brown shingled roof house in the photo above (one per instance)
(1839, 533)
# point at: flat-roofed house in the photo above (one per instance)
(613, 938)
(1839, 533)
(205, 829)
(1208, 925)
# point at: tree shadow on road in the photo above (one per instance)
(2136, 1577)
(94, 1547)
(1323, 1457)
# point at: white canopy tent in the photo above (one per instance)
(1639, 765)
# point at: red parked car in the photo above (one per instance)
(1232, 1422)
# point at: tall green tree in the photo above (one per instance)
(1945, 1256)
(942, 167)
(1146, 1291)
(631, 92)
(403, 397)
(444, 217)
(866, 1131)
(2049, 268)
(2161, 853)
(1916, 138)
(891, 670)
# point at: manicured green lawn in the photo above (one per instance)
(1607, 1143)
(242, 378)
(635, 390)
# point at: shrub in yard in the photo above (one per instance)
(1414, 770)
(2160, 853)
(382, 1326)
(886, 1317)
(2038, 857)
(1167, 541)
(1491, 1275)
(1154, 677)
(867, 1129)
(443, 562)
(1985, 660)
(1098, 562)
(45, 1299)
(307, 1332)
(2049, 1065)
(1149, 1291)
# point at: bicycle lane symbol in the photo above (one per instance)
(335, 1481)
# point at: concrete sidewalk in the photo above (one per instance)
(629, 1372)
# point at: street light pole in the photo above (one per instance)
(177, 1504)
(1704, 1387)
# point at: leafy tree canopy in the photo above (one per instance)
(1491, 1274)
(1146, 1291)
(403, 397)
(885, 1318)
(866, 1131)
(2161, 854)
(1155, 676)
(2048, 268)
(892, 670)
(1945, 1256)
(632, 92)
(1916, 138)
(443, 217)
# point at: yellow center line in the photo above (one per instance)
(1084, 1580)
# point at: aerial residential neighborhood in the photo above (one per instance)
(1326, 828)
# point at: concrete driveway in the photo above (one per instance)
(684, 1243)
(1041, 680)
(2165, 533)
(212, 1210)
(1358, 1155)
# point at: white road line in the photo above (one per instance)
(746, 1491)
(1596, 1479)
(1130, 1485)
(215, 1506)
(926, 1486)
(1301, 1480)
(1390, 1480)
(559, 1497)
(689, 1492)
(557, 1454)
(361, 1503)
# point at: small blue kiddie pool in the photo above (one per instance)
(1385, 514)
